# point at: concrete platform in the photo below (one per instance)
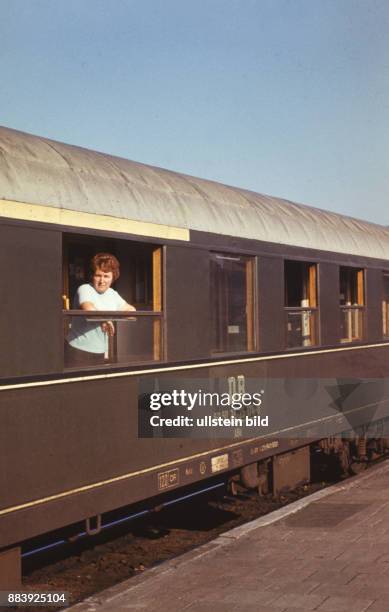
(328, 552)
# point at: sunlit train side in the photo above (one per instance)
(228, 285)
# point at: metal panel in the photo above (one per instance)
(30, 302)
(291, 469)
(329, 310)
(271, 304)
(43, 172)
(187, 307)
(373, 301)
(36, 518)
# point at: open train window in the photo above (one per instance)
(385, 306)
(301, 304)
(108, 334)
(232, 303)
(351, 282)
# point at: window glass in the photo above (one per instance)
(300, 284)
(351, 298)
(301, 304)
(232, 303)
(351, 287)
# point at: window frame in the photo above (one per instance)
(359, 308)
(157, 313)
(251, 302)
(314, 310)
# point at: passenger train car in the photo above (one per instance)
(229, 285)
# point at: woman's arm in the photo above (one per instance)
(88, 306)
(128, 307)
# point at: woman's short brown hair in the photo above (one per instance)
(107, 263)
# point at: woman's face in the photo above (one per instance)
(102, 280)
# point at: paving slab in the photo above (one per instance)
(327, 552)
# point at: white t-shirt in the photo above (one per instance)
(87, 335)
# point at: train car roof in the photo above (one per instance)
(40, 171)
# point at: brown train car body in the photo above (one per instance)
(68, 440)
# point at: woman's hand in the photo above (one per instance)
(108, 328)
(129, 308)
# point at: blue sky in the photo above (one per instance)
(285, 97)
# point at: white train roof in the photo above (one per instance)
(40, 171)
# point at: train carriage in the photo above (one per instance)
(229, 285)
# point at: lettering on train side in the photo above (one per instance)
(168, 479)
(220, 462)
(269, 445)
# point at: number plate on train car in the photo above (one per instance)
(168, 479)
(219, 463)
